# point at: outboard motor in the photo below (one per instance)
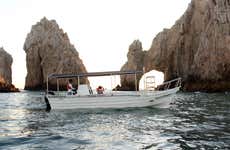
(48, 107)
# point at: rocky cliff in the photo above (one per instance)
(6, 61)
(196, 48)
(135, 62)
(48, 50)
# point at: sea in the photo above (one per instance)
(194, 121)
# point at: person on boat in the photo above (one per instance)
(70, 89)
(100, 90)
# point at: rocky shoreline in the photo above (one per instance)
(5, 88)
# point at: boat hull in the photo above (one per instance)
(155, 98)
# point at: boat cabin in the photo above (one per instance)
(84, 89)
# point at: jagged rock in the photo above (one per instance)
(173, 50)
(135, 62)
(6, 61)
(48, 50)
(196, 48)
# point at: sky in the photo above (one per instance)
(100, 30)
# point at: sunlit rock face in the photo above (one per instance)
(135, 62)
(6, 61)
(196, 48)
(48, 50)
(7, 87)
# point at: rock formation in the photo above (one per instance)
(135, 62)
(6, 61)
(196, 48)
(48, 50)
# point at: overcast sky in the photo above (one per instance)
(101, 30)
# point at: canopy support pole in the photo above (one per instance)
(78, 81)
(57, 85)
(111, 81)
(135, 81)
(115, 82)
(47, 84)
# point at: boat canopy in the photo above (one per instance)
(90, 74)
(94, 74)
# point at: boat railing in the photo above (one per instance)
(150, 83)
(170, 84)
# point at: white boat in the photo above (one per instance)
(87, 99)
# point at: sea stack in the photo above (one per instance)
(135, 62)
(6, 61)
(196, 48)
(48, 50)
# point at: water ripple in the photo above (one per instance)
(196, 121)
